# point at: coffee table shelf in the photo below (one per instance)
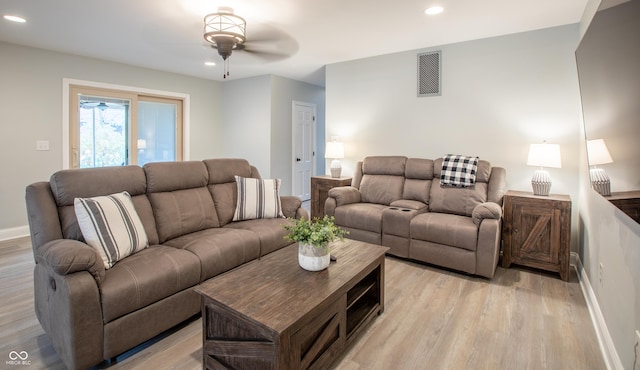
(272, 314)
(362, 302)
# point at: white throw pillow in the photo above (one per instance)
(257, 198)
(111, 225)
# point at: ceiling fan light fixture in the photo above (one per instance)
(226, 32)
(224, 25)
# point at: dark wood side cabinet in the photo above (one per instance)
(320, 186)
(536, 231)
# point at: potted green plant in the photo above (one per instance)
(314, 238)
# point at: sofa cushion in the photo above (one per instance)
(224, 170)
(381, 189)
(257, 198)
(147, 277)
(224, 197)
(459, 201)
(183, 211)
(363, 216)
(179, 197)
(222, 184)
(270, 231)
(219, 249)
(409, 204)
(111, 225)
(384, 165)
(447, 229)
(382, 179)
(418, 190)
(418, 176)
(170, 176)
(66, 185)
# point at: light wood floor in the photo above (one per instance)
(433, 319)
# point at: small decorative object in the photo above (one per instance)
(543, 155)
(314, 237)
(599, 154)
(335, 150)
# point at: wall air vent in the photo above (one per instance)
(429, 73)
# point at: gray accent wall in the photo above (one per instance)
(31, 106)
(248, 118)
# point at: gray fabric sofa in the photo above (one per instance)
(398, 202)
(92, 314)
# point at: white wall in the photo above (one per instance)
(611, 238)
(498, 96)
(31, 106)
(246, 117)
(257, 122)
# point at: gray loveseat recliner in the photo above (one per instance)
(93, 314)
(398, 202)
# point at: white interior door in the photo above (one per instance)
(304, 117)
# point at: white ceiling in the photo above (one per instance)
(167, 34)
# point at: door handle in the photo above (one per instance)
(298, 159)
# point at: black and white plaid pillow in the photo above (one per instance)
(458, 170)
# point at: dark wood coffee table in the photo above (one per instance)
(272, 314)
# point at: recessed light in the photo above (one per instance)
(434, 10)
(14, 18)
(210, 64)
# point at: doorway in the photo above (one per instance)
(304, 151)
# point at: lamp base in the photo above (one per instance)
(600, 181)
(541, 182)
(336, 168)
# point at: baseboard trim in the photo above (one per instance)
(608, 349)
(14, 232)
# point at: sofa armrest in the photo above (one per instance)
(339, 196)
(344, 195)
(485, 210)
(66, 256)
(290, 205)
(488, 248)
(69, 309)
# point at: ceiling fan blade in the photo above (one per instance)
(267, 54)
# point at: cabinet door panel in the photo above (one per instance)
(537, 231)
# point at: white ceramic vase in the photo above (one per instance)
(311, 258)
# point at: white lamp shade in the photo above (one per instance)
(334, 149)
(598, 152)
(544, 155)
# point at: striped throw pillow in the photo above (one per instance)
(111, 225)
(257, 198)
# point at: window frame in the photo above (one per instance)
(182, 144)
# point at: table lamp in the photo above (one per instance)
(599, 154)
(543, 155)
(335, 150)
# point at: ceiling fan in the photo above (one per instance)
(100, 105)
(226, 32)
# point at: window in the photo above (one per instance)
(109, 127)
